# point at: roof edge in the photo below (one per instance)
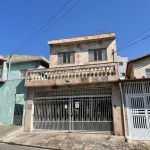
(83, 38)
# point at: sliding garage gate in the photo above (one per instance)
(75, 112)
(138, 109)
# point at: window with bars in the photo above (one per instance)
(147, 73)
(66, 57)
(97, 54)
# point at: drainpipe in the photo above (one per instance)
(113, 54)
(122, 102)
(9, 63)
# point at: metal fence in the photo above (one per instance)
(75, 113)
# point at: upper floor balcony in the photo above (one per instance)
(91, 73)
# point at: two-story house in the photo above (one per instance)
(13, 93)
(79, 91)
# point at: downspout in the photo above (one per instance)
(122, 102)
(9, 63)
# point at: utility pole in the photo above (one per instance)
(113, 54)
(9, 65)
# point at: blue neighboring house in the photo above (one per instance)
(13, 93)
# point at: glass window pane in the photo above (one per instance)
(64, 57)
(95, 54)
(120, 63)
(91, 55)
(99, 55)
(104, 54)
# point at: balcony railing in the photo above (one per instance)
(74, 72)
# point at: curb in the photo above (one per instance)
(11, 143)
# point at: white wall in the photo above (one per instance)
(122, 69)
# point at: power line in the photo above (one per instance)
(123, 46)
(132, 39)
(51, 25)
(42, 27)
(135, 43)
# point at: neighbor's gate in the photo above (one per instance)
(74, 113)
(138, 109)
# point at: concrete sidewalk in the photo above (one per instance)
(74, 141)
(6, 130)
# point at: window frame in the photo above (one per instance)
(120, 62)
(64, 54)
(123, 74)
(146, 73)
(97, 54)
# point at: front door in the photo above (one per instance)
(139, 117)
(18, 114)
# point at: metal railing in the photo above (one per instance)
(83, 71)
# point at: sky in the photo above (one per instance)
(21, 19)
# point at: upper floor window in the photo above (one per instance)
(120, 63)
(66, 57)
(147, 73)
(97, 54)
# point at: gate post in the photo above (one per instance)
(116, 108)
(29, 112)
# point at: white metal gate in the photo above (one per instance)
(138, 110)
(74, 113)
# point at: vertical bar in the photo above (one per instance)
(69, 114)
(82, 114)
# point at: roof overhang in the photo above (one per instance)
(99, 37)
(131, 62)
(3, 59)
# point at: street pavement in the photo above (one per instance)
(15, 147)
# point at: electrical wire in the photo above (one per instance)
(50, 26)
(134, 43)
(134, 38)
(42, 27)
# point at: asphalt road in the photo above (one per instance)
(15, 147)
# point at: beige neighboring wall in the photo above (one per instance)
(140, 66)
(81, 52)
